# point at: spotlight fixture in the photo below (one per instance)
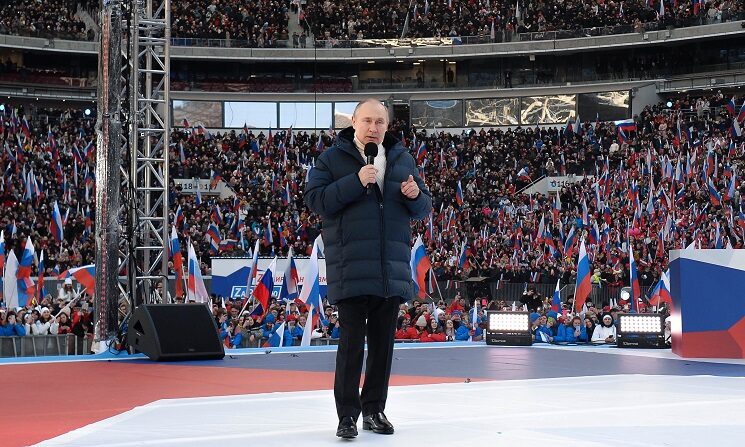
(87, 112)
(640, 331)
(508, 328)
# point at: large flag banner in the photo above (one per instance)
(10, 286)
(420, 265)
(583, 287)
(196, 291)
(25, 284)
(634, 279)
(178, 261)
(291, 278)
(263, 290)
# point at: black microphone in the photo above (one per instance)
(371, 151)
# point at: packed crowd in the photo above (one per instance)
(265, 23)
(362, 19)
(654, 186)
(48, 18)
(68, 311)
(261, 23)
(284, 324)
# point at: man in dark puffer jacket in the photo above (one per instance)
(367, 238)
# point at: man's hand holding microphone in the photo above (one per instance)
(367, 174)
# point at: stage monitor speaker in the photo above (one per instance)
(167, 332)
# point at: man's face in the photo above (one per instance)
(370, 122)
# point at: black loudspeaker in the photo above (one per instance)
(165, 332)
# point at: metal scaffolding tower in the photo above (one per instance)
(133, 133)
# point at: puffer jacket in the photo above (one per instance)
(367, 237)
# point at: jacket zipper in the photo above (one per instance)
(388, 165)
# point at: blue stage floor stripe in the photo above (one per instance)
(604, 349)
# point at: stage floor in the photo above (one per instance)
(441, 393)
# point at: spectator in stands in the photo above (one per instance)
(432, 332)
(589, 327)
(50, 19)
(574, 332)
(541, 331)
(64, 323)
(81, 321)
(405, 331)
(449, 331)
(232, 336)
(44, 324)
(9, 326)
(466, 332)
(606, 331)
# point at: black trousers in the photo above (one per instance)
(359, 316)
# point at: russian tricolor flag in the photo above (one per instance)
(213, 236)
(556, 302)
(465, 253)
(421, 152)
(263, 290)
(459, 195)
(626, 126)
(420, 265)
(199, 193)
(177, 258)
(714, 196)
(215, 178)
(25, 284)
(196, 291)
(583, 287)
(291, 279)
(252, 270)
(731, 106)
(85, 275)
(179, 217)
(636, 291)
(55, 224)
(310, 294)
(569, 243)
(661, 292)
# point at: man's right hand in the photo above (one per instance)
(367, 175)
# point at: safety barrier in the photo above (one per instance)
(44, 345)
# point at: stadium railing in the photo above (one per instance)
(499, 37)
(44, 345)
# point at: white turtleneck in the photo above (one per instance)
(378, 161)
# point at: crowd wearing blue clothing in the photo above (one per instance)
(420, 321)
(9, 326)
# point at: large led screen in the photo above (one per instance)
(305, 115)
(547, 109)
(343, 114)
(255, 115)
(492, 112)
(608, 106)
(441, 113)
(207, 113)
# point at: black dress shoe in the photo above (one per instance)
(347, 428)
(378, 423)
